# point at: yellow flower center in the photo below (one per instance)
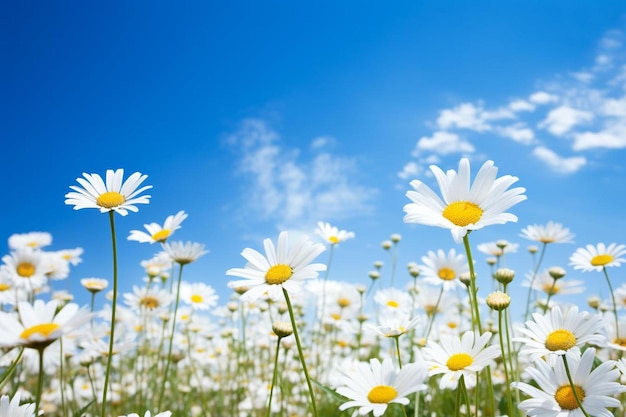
(545, 239)
(196, 298)
(446, 274)
(621, 341)
(459, 361)
(43, 329)
(110, 199)
(564, 396)
(26, 269)
(560, 339)
(601, 260)
(278, 274)
(333, 239)
(149, 302)
(382, 394)
(343, 302)
(161, 235)
(32, 244)
(393, 304)
(4, 287)
(335, 316)
(462, 213)
(550, 289)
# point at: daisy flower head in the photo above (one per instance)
(158, 233)
(394, 326)
(561, 331)
(598, 257)
(33, 240)
(544, 282)
(393, 301)
(152, 301)
(444, 269)
(553, 395)
(12, 408)
(94, 285)
(462, 207)
(38, 325)
(27, 267)
(460, 356)
(373, 386)
(282, 267)
(549, 233)
(332, 234)
(198, 295)
(184, 253)
(496, 249)
(114, 195)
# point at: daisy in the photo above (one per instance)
(157, 266)
(372, 387)
(114, 195)
(33, 240)
(455, 357)
(444, 269)
(561, 331)
(281, 268)
(554, 397)
(71, 255)
(12, 407)
(94, 285)
(184, 253)
(550, 233)
(495, 249)
(332, 234)
(158, 233)
(393, 326)
(464, 208)
(198, 295)
(393, 301)
(27, 267)
(544, 282)
(597, 257)
(151, 301)
(38, 325)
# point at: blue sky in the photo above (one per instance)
(256, 117)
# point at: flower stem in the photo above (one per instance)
(504, 362)
(274, 377)
(397, 338)
(113, 308)
(608, 281)
(300, 354)
(532, 280)
(571, 383)
(39, 381)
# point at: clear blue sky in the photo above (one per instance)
(255, 117)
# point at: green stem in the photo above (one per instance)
(608, 281)
(397, 338)
(274, 377)
(9, 371)
(39, 381)
(532, 280)
(171, 342)
(300, 353)
(571, 383)
(473, 290)
(504, 362)
(113, 309)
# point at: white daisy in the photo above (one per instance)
(27, 267)
(550, 233)
(12, 407)
(33, 240)
(39, 324)
(444, 269)
(158, 233)
(544, 282)
(393, 301)
(597, 257)
(393, 326)
(184, 253)
(464, 208)
(455, 357)
(332, 234)
(281, 268)
(152, 301)
(94, 285)
(117, 195)
(373, 386)
(495, 249)
(554, 396)
(198, 295)
(561, 331)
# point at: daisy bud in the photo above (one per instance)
(504, 275)
(498, 300)
(343, 302)
(533, 249)
(241, 289)
(413, 270)
(282, 308)
(491, 261)
(594, 302)
(282, 329)
(386, 244)
(232, 306)
(362, 318)
(374, 275)
(556, 272)
(395, 238)
(465, 278)
(502, 244)
(378, 264)
(361, 289)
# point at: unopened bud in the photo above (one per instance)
(504, 275)
(556, 272)
(282, 329)
(498, 300)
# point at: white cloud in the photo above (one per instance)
(410, 170)
(518, 132)
(558, 163)
(562, 119)
(614, 107)
(322, 141)
(464, 116)
(541, 97)
(283, 187)
(583, 76)
(521, 105)
(443, 143)
(613, 136)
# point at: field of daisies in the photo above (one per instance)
(292, 342)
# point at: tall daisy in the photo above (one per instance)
(27, 267)
(281, 267)
(373, 386)
(114, 195)
(33, 240)
(454, 357)
(444, 269)
(184, 253)
(198, 295)
(561, 331)
(332, 234)
(462, 207)
(158, 233)
(598, 257)
(554, 396)
(551, 232)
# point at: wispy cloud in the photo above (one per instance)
(291, 188)
(584, 108)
